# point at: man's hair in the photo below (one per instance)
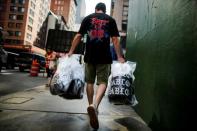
(101, 6)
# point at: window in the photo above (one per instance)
(38, 26)
(62, 8)
(28, 36)
(21, 9)
(19, 17)
(40, 19)
(11, 25)
(124, 26)
(31, 20)
(13, 8)
(11, 33)
(29, 28)
(1, 7)
(33, 5)
(19, 25)
(13, 1)
(58, 7)
(18, 33)
(40, 12)
(13, 41)
(125, 8)
(12, 17)
(21, 1)
(59, 2)
(31, 12)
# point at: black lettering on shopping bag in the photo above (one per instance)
(121, 88)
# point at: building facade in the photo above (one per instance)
(53, 22)
(119, 11)
(67, 9)
(22, 19)
(81, 11)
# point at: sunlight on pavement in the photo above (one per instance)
(4, 72)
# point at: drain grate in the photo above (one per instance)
(16, 100)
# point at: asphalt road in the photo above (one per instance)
(12, 81)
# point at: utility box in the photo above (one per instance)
(60, 41)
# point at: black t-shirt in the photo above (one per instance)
(99, 27)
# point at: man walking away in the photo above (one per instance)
(98, 27)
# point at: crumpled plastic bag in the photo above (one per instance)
(120, 83)
(120, 69)
(69, 78)
(75, 90)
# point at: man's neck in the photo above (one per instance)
(99, 11)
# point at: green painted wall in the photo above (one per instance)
(162, 39)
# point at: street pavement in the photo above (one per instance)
(13, 81)
(36, 109)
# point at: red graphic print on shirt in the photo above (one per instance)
(98, 30)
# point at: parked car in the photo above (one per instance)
(25, 59)
(11, 60)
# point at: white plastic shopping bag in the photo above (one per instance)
(69, 79)
(120, 83)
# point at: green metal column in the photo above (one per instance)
(162, 39)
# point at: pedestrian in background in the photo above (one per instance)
(98, 27)
(51, 65)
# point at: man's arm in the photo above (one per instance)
(74, 44)
(116, 43)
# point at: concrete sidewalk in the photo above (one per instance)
(37, 110)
